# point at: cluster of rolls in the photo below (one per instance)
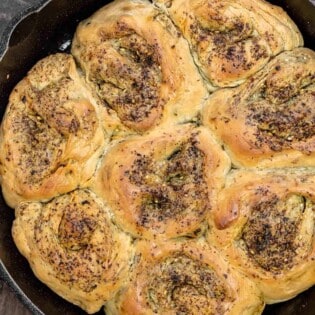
(167, 165)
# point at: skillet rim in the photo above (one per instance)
(15, 21)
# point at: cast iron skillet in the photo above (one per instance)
(46, 29)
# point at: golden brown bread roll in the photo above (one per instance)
(265, 224)
(162, 185)
(231, 40)
(73, 247)
(139, 64)
(51, 136)
(185, 278)
(269, 121)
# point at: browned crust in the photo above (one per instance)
(269, 120)
(139, 65)
(163, 185)
(232, 40)
(264, 224)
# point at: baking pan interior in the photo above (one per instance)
(49, 30)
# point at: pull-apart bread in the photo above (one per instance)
(162, 185)
(166, 165)
(73, 247)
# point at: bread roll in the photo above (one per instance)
(185, 278)
(264, 225)
(51, 137)
(73, 247)
(269, 121)
(164, 184)
(139, 64)
(231, 40)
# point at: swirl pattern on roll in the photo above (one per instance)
(139, 64)
(269, 120)
(51, 136)
(265, 225)
(231, 40)
(185, 278)
(162, 185)
(73, 247)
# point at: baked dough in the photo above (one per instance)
(231, 40)
(185, 277)
(139, 64)
(73, 247)
(51, 137)
(162, 185)
(167, 165)
(265, 223)
(269, 121)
